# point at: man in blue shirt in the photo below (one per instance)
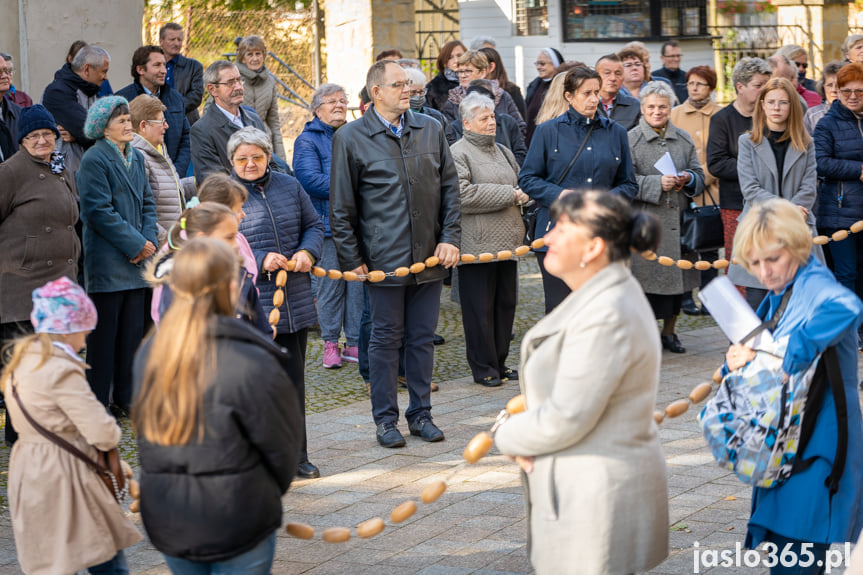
(184, 75)
(148, 73)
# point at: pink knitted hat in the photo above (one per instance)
(62, 307)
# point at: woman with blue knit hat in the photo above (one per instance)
(38, 215)
(120, 235)
(64, 519)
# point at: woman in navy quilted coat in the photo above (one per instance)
(281, 225)
(838, 140)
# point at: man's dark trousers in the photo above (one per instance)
(408, 313)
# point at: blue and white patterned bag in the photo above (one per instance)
(753, 423)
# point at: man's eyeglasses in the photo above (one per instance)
(400, 85)
(231, 82)
(157, 122)
(341, 101)
(421, 92)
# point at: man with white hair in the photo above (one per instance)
(74, 90)
(418, 96)
(210, 134)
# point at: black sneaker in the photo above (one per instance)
(489, 381)
(438, 339)
(509, 374)
(389, 435)
(424, 428)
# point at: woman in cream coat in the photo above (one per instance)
(595, 473)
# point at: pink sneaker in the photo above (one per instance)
(351, 353)
(332, 360)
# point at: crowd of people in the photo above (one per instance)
(180, 222)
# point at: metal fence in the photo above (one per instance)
(211, 34)
(732, 43)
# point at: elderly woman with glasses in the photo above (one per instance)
(665, 196)
(839, 157)
(547, 63)
(339, 304)
(474, 65)
(170, 190)
(281, 225)
(828, 88)
(38, 216)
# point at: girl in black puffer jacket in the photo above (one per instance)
(218, 423)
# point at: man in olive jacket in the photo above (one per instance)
(394, 201)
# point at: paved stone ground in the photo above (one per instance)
(478, 525)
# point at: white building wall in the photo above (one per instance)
(495, 18)
(39, 32)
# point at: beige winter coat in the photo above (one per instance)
(261, 94)
(597, 498)
(696, 123)
(63, 517)
(169, 190)
(487, 176)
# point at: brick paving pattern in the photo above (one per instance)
(478, 525)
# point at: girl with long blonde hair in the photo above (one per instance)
(217, 419)
(775, 159)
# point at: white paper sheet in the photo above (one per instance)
(665, 165)
(731, 312)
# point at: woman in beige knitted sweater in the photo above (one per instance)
(491, 222)
(259, 86)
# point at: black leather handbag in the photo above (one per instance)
(701, 227)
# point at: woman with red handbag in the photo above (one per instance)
(63, 517)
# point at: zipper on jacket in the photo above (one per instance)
(279, 247)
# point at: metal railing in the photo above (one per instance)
(732, 43)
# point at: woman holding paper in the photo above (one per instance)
(775, 158)
(669, 176)
(774, 244)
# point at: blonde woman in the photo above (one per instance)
(218, 423)
(555, 103)
(63, 517)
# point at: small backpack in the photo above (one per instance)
(756, 424)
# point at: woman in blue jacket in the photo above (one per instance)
(839, 153)
(603, 161)
(774, 244)
(339, 303)
(120, 234)
(281, 225)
